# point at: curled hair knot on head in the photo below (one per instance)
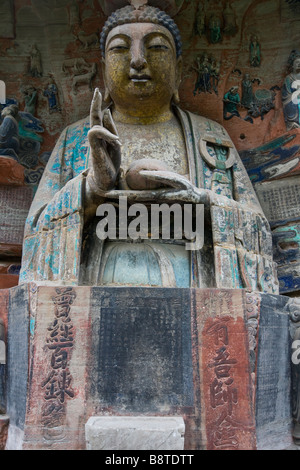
(147, 14)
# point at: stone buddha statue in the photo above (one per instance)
(143, 146)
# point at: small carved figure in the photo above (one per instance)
(291, 92)
(199, 25)
(9, 132)
(84, 78)
(74, 14)
(203, 69)
(35, 62)
(75, 66)
(255, 54)
(215, 74)
(247, 91)
(88, 40)
(230, 27)
(215, 32)
(231, 102)
(2, 92)
(30, 98)
(51, 94)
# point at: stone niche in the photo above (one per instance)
(219, 359)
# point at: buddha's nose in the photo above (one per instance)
(138, 60)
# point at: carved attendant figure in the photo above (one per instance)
(9, 132)
(255, 56)
(189, 159)
(291, 93)
(35, 62)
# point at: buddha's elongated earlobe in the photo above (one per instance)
(106, 96)
(175, 98)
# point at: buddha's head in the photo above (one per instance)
(141, 50)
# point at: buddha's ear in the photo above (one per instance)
(106, 97)
(176, 98)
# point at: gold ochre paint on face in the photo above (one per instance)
(141, 72)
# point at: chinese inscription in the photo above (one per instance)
(223, 390)
(57, 386)
(279, 200)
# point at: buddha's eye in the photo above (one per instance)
(118, 48)
(158, 47)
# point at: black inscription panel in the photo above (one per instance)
(141, 358)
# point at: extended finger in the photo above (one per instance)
(155, 195)
(99, 132)
(95, 111)
(145, 195)
(108, 122)
(167, 177)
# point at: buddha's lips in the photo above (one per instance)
(140, 78)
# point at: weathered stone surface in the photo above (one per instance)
(4, 296)
(18, 363)
(8, 280)
(15, 202)
(135, 433)
(11, 172)
(4, 422)
(141, 349)
(273, 375)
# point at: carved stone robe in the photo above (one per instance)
(238, 252)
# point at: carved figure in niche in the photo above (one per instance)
(231, 102)
(74, 13)
(87, 78)
(203, 69)
(2, 92)
(215, 29)
(75, 66)
(9, 132)
(291, 92)
(51, 93)
(88, 40)
(215, 74)
(142, 63)
(35, 62)
(30, 98)
(255, 54)
(247, 91)
(230, 27)
(263, 103)
(199, 25)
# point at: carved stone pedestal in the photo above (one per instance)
(220, 359)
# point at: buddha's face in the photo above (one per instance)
(296, 65)
(141, 66)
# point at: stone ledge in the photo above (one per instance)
(135, 433)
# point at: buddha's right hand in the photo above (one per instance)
(105, 149)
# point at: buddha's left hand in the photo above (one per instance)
(178, 189)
